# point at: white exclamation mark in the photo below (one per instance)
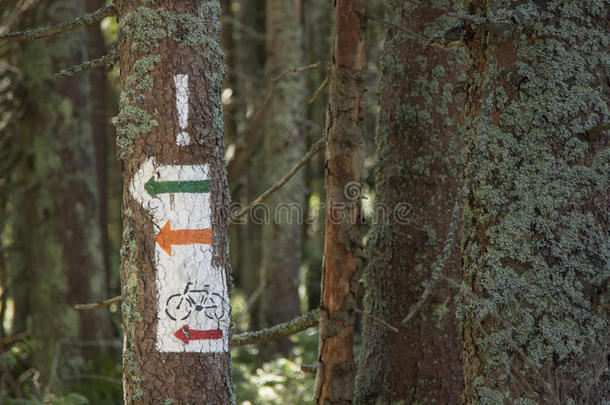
(182, 105)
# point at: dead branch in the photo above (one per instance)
(14, 338)
(423, 39)
(37, 33)
(376, 319)
(245, 143)
(106, 60)
(99, 304)
(278, 331)
(439, 265)
(314, 149)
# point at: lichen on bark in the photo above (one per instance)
(536, 246)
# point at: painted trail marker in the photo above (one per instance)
(182, 105)
(193, 303)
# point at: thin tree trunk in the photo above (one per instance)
(99, 122)
(248, 185)
(417, 179)
(284, 144)
(174, 248)
(536, 242)
(335, 376)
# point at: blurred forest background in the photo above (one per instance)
(60, 179)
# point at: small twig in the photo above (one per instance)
(37, 33)
(14, 338)
(425, 40)
(318, 91)
(369, 249)
(502, 27)
(15, 14)
(99, 304)
(439, 265)
(276, 80)
(309, 368)
(246, 142)
(106, 60)
(597, 130)
(278, 331)
(254, 34)
(314, 149)
(376, 319)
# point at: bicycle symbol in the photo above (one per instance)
(180, 306)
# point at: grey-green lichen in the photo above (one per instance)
(537, 251)
(131, 316)
(145, 28)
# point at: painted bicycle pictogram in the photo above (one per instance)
(180, 306)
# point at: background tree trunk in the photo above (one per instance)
(155, 44)
(536, 242)
(417, 178)
(99, 119)
(335, 376)
(59, 228)
(284, 144)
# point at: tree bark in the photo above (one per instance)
(535, 248)
(335, 377)
(417, 180)
(283, 145)
(170, 55)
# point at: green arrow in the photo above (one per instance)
(162, 187)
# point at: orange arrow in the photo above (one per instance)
(166, 237)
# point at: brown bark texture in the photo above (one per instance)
(417, 179)
(335, 377)
(157, 42)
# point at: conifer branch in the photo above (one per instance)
(106, 60)
(278, 331)
(37, 33)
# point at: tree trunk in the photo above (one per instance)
(536, 242)
(284, 145)
(418, 174)
(174, 265)
(59, 225)
(335, 376)
(99, 119)
(248, 185)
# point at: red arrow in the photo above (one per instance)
(187, 334)
(166, 237)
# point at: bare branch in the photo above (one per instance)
(425, 40)
(376, 319)
(439, 265)
(106, 60)
(278, 331)
(318, 91)
(15, 14)
(246, 142)
(14, 338)
(99, 304)
(314, 149)
(254, 34)
(37, 33)
(276, 80)
(309, 368)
